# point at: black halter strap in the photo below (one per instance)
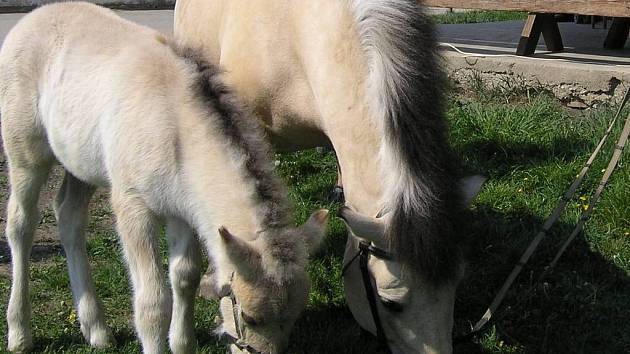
(365, 250)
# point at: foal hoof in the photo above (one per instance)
(336, 195)
(100, 338)
(208, 289)
(19, 343)
(98, 335)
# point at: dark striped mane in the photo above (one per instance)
(406, 84)
(246, 137)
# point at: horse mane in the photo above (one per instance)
(405, 90)
(245, 136)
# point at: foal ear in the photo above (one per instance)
(470, 187)
(314, 230)
(242, 255)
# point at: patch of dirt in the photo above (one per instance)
(46, 242)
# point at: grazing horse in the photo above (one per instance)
(121, 106)
(363, 76)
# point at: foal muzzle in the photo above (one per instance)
(233, 326)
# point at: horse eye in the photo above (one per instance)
(248, 319)
(392, 306)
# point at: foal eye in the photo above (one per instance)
(249, 319)
(392, 306)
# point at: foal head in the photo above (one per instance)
(270, 285)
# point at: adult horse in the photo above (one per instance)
(364, 76)
(120, 106)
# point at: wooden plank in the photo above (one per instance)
(551, 33)
(618, 33)
(530, 36)
(611, 8)
(534, 26)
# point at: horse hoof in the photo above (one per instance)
(336, 195)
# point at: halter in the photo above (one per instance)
(365, 250)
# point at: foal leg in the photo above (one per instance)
(22, 218)
(71, 210)
(185, 273)
(138, 228)
(210, 287)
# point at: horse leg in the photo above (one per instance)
(71, 210)
(184, 273)
(138, 228)
(336, 195)
(22, 218)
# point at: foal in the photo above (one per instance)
(119, 106)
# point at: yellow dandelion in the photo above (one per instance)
(582, 198)
(520, 190)
(627, 233)
(72, 316)
(525, 179)
(585, 206)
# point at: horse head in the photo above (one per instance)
(415, 314)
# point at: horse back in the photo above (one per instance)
(297, 64)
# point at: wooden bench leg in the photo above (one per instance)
(618, 33)
(534, 26)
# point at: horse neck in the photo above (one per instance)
(357, 144)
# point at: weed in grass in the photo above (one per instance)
(474, 85)
(478, 17)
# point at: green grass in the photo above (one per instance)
(478, 17)
(531, 150)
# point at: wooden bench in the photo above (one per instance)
(541, 19)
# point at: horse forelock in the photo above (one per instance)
(245, 137)
(405, 91)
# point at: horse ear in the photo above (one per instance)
(314, 230)
(241, 254)
(470, 187)
(371, 229)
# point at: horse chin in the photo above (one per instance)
(424, 325)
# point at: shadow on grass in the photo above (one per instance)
(39, 252)
(500, 157)
(73, 341)
(330, 329)
(580, 307)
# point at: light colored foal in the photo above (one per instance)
(120, 106)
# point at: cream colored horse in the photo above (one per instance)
(364, 76)
(120, 107)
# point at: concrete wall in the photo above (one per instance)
(26, 5)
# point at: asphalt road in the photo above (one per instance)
(162, 20)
